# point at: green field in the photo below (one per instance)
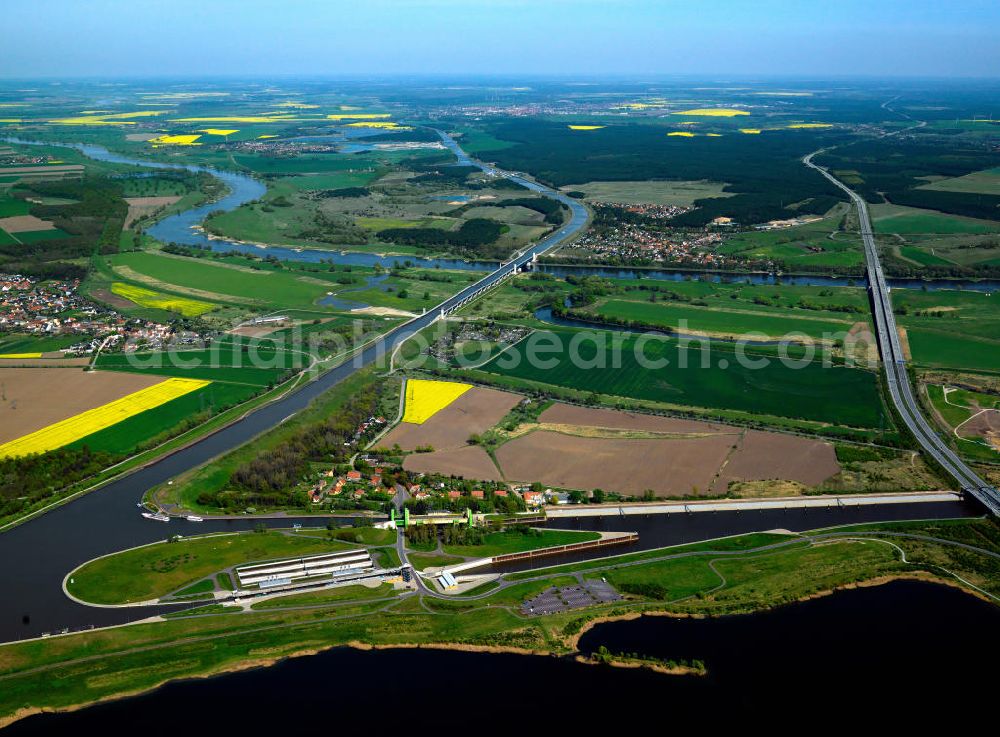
(232, 281)
(38, 236)
(338, 180)
(257, 364)
(714, 320)
(307, 164)
(10, 207)
(16, 343)
(943, 349)
(156, 570)
(955, 329)
(825, 243)
(328, 596)
(650, 192)
(148, 298)
(811, 392)
(913, 221)
(979, 182)
(155, 424)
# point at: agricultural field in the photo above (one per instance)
(35, 398)
(475, 410)
(951, 329)
(424, 399)
(649, 192)
(828, 244)
(731, 323)
(925, 238)
(899, 220)
(979, 182)
(225, 288)
(482, 436)
(148, 298)
(253, 362)
(811, 391)
(28, 343)
(56, 417)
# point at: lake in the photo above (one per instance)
(906, 651)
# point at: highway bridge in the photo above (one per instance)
(897, 378)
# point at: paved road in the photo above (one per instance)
(897, 378)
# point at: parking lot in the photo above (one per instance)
(554, 599)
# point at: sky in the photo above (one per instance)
(211, 38)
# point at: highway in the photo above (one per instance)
(897, 378)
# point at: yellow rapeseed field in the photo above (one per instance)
(811, 125)
(219, 131)
(20, 355)
(179, 140)
(358, 116)
(239, 119)
(107, 119)
(148, 298)
(683, 134)
(585, 127)
(387, 124)
(425, 398)
(713, 112)
(750, 131)
(93, 420)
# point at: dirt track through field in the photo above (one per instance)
(33, 398)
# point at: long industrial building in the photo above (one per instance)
(283, 572)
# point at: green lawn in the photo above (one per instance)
(159, 569)
(327, 596)
(423, 561)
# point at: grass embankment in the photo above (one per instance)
(156, 570)
(81, 668)
(423, 561)
(515, 541)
